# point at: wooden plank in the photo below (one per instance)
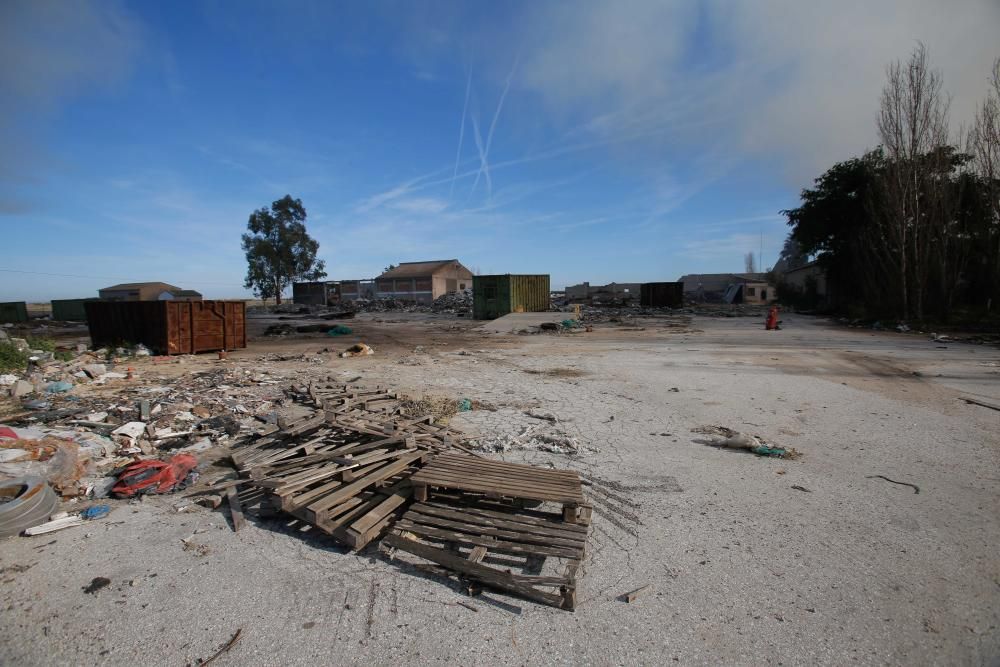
(511, 490)
(503, 546)
(235, 509)
(459, 460)
(632, 595)
(382, 510)
(477, 554)
(443, 478)
(479, 529)
(476, 571)
(520, 517)
(445, 463)
(456, 463)
(490, 523)
(433, 471)
(368, 480)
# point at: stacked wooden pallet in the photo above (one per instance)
(343, 468)
(352, 464)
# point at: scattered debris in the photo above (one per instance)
(357, 350)
(24, 503)
(235, 510)
(63, 521)
(96, 584)
(916, 489)
(631, 596)
(976, 401)
(228, 645)
(800, 488)
(726, 437)
(154, 476)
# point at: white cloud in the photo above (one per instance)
(793, 83)
(423, 205)
(53, 49)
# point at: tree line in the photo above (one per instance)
(910, 229)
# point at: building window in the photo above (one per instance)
(751, 291)
(763, 295)
(461, 286)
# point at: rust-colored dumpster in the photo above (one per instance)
(169, 327)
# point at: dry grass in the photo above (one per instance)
(442, 408)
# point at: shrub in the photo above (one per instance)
(12, 359)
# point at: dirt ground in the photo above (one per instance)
(748, 560)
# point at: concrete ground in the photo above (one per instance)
(742, 567)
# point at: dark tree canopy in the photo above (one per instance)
(278, 249)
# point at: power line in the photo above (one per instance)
(73, 275)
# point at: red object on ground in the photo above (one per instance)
(772, 319)
(153, 475)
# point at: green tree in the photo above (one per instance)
(832, 223)
(278, 249)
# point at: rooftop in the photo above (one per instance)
(418, 269)
(134, 286)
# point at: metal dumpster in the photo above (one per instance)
(14, 311)
(169, 327)
(661, 295)
(70, 310)
(496, 296)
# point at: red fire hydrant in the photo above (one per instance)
(772, 319)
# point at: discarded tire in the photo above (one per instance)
(25, 502)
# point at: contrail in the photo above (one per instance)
(482, 156)
(484, 166)
(461, 132)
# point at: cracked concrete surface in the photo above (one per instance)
(742, 568)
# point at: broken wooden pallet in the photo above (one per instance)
(497, 479)
(486, 543)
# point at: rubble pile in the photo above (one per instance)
(389, 305)
(91, 421)
(458, 303)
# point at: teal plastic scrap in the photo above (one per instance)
(59, 387)
(569, 324)
(464, 405)
(339, 330)
(764, 450)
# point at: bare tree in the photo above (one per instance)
(984, 145)
(912, 126)
(749, 263)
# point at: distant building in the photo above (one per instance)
(139, 292)
(330, 292)
(728, 288)
(609, 292)
(806, 286)
(185, 295)
(803, 275)
(423, 281)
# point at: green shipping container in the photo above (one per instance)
(13, 311)
(70, 310)
(496, 296)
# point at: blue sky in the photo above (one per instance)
(629, 141)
